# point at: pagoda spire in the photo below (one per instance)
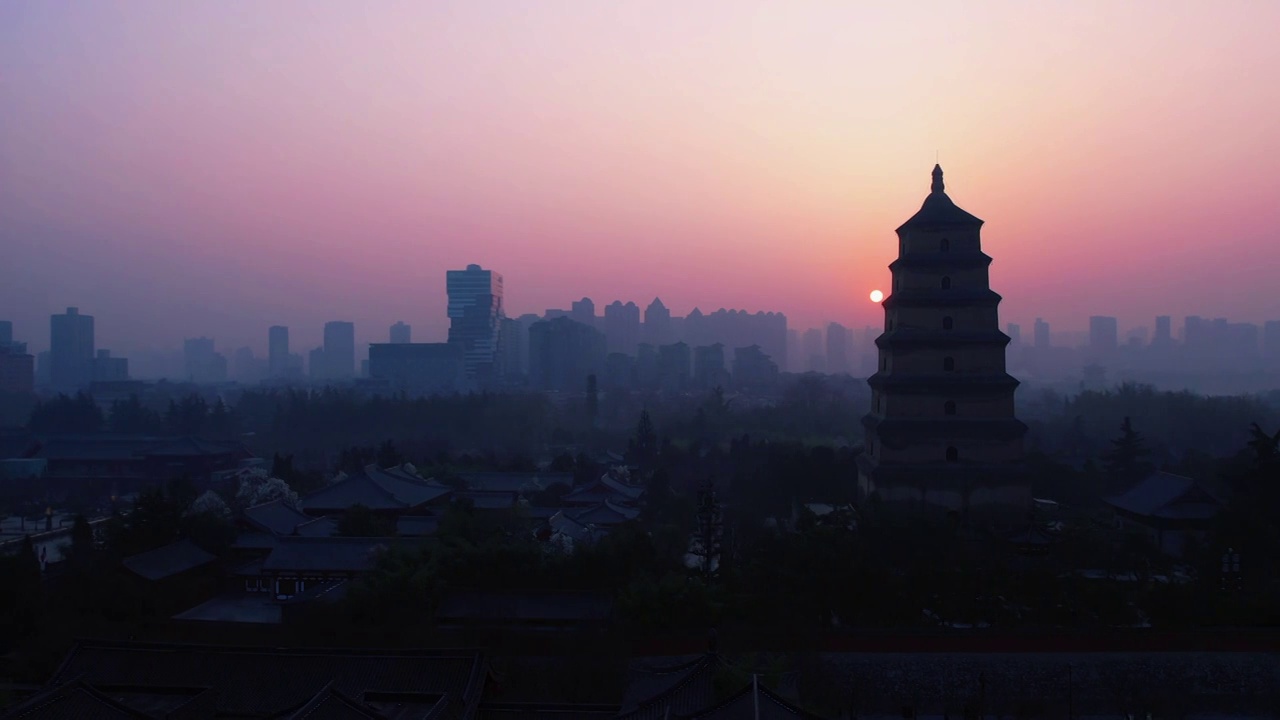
(937, 180)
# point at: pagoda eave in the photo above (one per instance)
(949, 384)
(939, 338)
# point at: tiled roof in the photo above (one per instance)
(606, 513)
(329, 704)
(681, 688)
(266, 682)
(545, 711)
(549, 607)
(523, 483)
(375, 489)
(276, 516)
(753, 702)
(1169, 496)
(168, 561)
(336, 554)
(938, 208)
(488, 500)
(72, 700)
(604, 488)
(319, 527)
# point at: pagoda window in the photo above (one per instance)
(947, 323)
(948, 364)
(949, 407)
(953, 455)
(946, 283)
(945, 246)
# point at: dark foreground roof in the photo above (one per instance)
(72, 700)
(168, 561)
(1168, 496)
(526, 607)
(276, 516)
(266, 682)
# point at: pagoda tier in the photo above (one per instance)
(942, 436)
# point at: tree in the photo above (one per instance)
(256, 488)
(388, 455)
(62, 414)
(132, 417)
(210, 503)
(1126, 462)
(644, 445)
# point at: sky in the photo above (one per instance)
(213, 168)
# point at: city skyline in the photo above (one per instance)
(208, 170)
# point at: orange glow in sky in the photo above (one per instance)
(215, 168)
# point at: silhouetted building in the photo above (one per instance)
(1042, 339)
(109, 369)
(622, 327)
(657, 324)
(17, 370)
(401, 333)
(709, 367)
(339, 350)
(6, 333)
(248, 368)
(1271, 340)
(1164, 332)
(417, 369)
(1103, 335)
(1014, 331)
(813, 357)
(753, 369)
(475, 312)
(562, 353)
(941, 435)
(584, 311)
(200, 363)
(514, 343)
(674, 363)
(71, 350)
(278, 351)
(619, 371)
(838, 341)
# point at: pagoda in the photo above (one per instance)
(941, 437)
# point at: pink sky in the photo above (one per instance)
(212, 168)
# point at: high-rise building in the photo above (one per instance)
(1271, 340)
(401, 333)
(942, 436)
(109, 369)
(71, 349)
(417, 369)
(1103, 334)
(562, 353)
(814, 359)
(584, 311)
(6, 333)
(622, 327)
(1164, 331)
(657, 324)
(201, 364)
(475, 311)
(1042, 339)
(1014, 331)
(838, 341)
(17, 370)
(278, 351)
(709, 369)
(339, 350)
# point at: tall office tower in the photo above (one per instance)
(71, 350)
(814, 359)
(1042, 338)
(1164, 331)
(1103, 334)
(401, 334)
(1014, 331)
(563, 353)
(475, 313)
(278, 351)
(340, 350)
(6, 333)
(514, 343)
(201, 364)
(622, 327)
(838, 341)
(942, 436)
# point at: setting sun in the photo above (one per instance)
(876, 296)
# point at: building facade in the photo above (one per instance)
(339, 350)
(417, 369)
(475, 314)
(71, 350)
(278, 351)
(942, 436)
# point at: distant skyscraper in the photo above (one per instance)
(657, 324)
(475, 311)
(814, 359)
(838, 341)
(1271, 340)
(401, 334)
(201, 364)
(1103, 334)
(6, 333)
(1042, 338)
(584, 311)
(622, 327)
(71, 349)
(1164, 331)
(562, 353)
(340, 349)
(1014, 331)
(278, 351)
(110, 369)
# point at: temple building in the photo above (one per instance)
(941, 436)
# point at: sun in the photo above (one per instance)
(876, 296)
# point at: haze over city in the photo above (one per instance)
(184, 169)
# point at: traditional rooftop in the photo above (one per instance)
(1169, 497)
(375, 489)
(938, 208)
(167, 561)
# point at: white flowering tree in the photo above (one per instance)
(257, 487)
(210, 503)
